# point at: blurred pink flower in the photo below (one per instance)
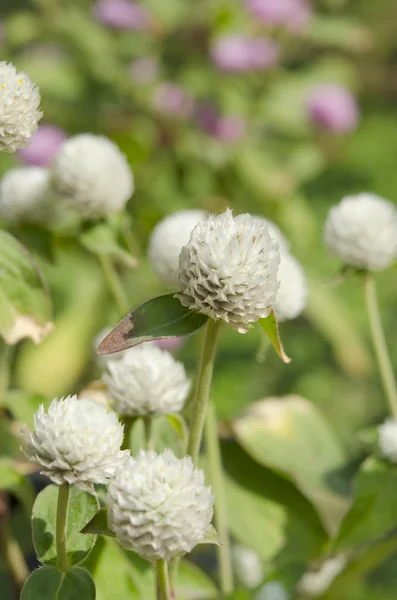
(227, 128)
(43, 146)
(144, 70)
(333, 107)
(122, 14)
(171, 99)
(170, 344)
(293, 14)
(243, 53)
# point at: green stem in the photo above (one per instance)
(128, 423)
(148, 432)
(62, 511)
(203, 386)
(5, 359)
(217, 481)
(163, 582)
(379, 342)
(114, 284)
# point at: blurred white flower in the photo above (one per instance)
(25, 196)
(275, 233)
(166, 242)
(388, 439)
(272, 590)
(228, 270)
(19, 108)
(292, 293)
(159, 505)
(76, 441)
(362, 231)
(147, 381)
(315, 583)
(248, 566)
(92, 176)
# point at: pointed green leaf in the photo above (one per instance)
(47, 583)
(158, 318)
(179, 424)
(99, 524)
(270, 326)
(212, 538)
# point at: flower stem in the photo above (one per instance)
(5, 359)
(114, 284)
(203, 386)
(62, 511)
(379, 342)
(163, 582)
(128, 424)
(217, 481)
(148, 432)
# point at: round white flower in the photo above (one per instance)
(166, 242)
(315, 583)
(19, 108)
(275, 233)
(76, 441)
(159, 506)
(362, 231)
(147, 381)
(228, 270)
(272, 590)
(292, 293)
(248, 566)
(24, 195)
(388, 439)
(92, 176)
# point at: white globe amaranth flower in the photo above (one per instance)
(92, 176)
(248, 566)
(275, 233)
(388, 439)
(147, 381)
(228, 270)
(19, 108)
(166, 242)
(315, 583)
(362, 231)
(25, 196)
(159, 505)
(76, 441)
(292, 294)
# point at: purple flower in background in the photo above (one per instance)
(170, 344)
(243, 53)
(144, 70)
(333, 107)
(292, 14)
(171, 99)
(227, 128)
(122, 14)
(43, 146)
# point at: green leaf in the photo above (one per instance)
(99, 524)
(47, 583)
(192, 584)
(179, 425)
(23, 405)
(82, 507)
(373, 512)
(17, 484)
(103, 239)
(291, 436)
(24, 304)
(212, 538)
(270, 326)
(158, 318)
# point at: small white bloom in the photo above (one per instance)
(388, 439)
(19, 108)
(147, 381)
(315, 583)
(228, 270)
(24, 195)
(92, 176)
(159, 505)
(275, 233)
(292, 293)
(166, 242)
(76, 441)
(362, 231)
(272, 590)
(248, 566)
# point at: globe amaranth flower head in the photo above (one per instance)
(122, 14)
(248, 566)
(147, 381)
(243, 53)
(19, 108)
(173, 100)
(292, 293)
(159, 505)
(388, 439)
(228, 270)
(76, 441)
(92, 176)
(362, 231)
(43, 146)
(25, 196)
(275, 233)
(291, 14)
(166, 242)
(333, 107)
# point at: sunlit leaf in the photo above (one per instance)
(270, 326)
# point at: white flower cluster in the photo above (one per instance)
(146, 381)
(388, 439)
(362, 231)
(159, 506)
(19, 108)
(25, 196)
(248, 566)
(76, 441)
